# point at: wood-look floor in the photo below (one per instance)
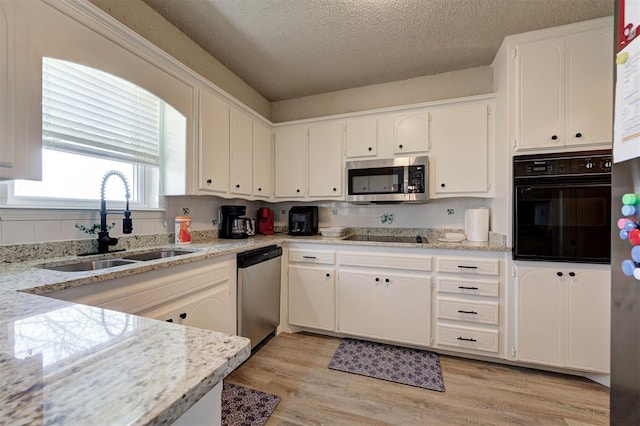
(294, 366)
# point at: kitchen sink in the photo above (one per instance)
(88, 265)
(159, 254)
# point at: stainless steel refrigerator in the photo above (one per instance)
(625, 289)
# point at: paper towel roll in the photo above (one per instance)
(476, 224)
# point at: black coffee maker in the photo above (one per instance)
(233, 224)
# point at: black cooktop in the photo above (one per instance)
(388, 239)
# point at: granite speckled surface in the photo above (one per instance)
(66, 363)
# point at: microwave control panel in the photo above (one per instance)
(416, 180)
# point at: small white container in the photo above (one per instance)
(183, 229)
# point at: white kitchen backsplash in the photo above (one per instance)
(447, 213)
(20, 226)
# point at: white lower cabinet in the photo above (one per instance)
(312, 288)
(388, 305)
(200, 294)
(468, 305)
(389, 300)
(563, 316)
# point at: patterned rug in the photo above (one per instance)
(387, 362)
(244, 406)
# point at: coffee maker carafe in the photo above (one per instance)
(232, 224)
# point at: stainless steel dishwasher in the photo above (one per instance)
(259, 293)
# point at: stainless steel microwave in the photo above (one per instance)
(394, 180)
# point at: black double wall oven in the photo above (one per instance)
(562, 207)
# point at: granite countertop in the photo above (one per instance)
(66, 363)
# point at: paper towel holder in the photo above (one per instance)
(476, 224)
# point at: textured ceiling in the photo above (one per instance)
(286, 49)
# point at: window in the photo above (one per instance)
(93, 122)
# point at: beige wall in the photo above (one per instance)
(145, 21)
(469, 82)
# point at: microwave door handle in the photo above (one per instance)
(405, 178)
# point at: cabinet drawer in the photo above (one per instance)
(468, 338)
(415, 262)
(474, 312)
(469, 266)
(490, 288)
(312, 256)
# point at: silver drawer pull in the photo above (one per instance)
(309, 257)
(467, 339)
(460, 311)
(467, 267)
(464, 287)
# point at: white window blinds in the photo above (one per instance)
(89, 112)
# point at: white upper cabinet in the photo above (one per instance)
(214, 144)
(20, 98)
(325, 160)
(362, 138)
(290, 162)
(589, 89)
(309, 162)
(262, 161)
(459, 157)
(564, 91)
(411, 133)
(241, 153)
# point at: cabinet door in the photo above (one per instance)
(326, 160)
(460, 144)
(214, 144)
(539, 94)
(290, 162)
(241, 144)
(539, 321)
(406, 313)
(212, 310)
(360, 303)
(312, 296)
(362, 138)
(411, 133)
(262, 161)
(588, 320)
(589, 87)
(20, 94)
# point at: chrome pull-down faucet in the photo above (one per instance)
(104, 240)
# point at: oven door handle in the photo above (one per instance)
(522, 188)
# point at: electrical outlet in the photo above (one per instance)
(451, 212)
(185, 210)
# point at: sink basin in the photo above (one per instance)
(90, 265)
(160, 254)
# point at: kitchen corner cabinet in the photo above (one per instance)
(312, 283)
(290, 162)
(214, 144)
(563, 317)
(459, 157)
(361, 138)
(564, 90)
(241, 153)
(20, 103)
(200, 294)
(262, 161)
